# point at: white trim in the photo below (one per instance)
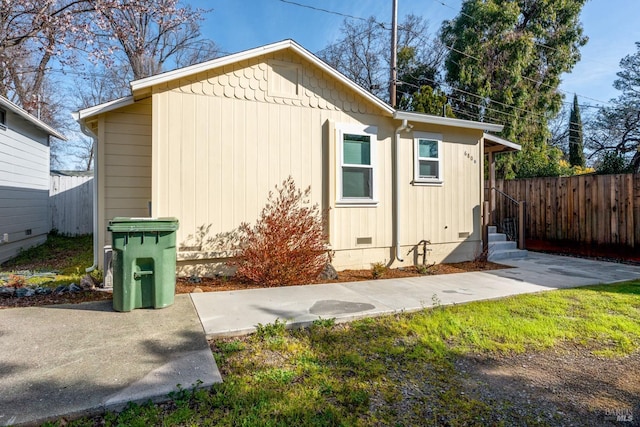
(28, 117)
(417, 179)
(372, 133)
(501, 141)
(446, 121)
(102, 108)
(137, 85)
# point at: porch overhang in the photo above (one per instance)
(494, 144)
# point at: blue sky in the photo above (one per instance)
(235, 25)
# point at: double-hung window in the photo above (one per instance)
(427, 158)
(356, 159)
(3, 119)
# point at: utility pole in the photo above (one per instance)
(394, 54)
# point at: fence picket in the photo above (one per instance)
(591, 209)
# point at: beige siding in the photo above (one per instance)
(124, 171)
(224, 139)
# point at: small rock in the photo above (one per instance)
(87, 282)
(61, 289)
(6, 291)
(25, 292)
(328, 273)
(194, 279)
(43, 290)
(74, 288)
(196, 290)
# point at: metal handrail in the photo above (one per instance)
(517, 219)
(505, 195)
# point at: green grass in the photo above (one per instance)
(360, 373)
(68, 257)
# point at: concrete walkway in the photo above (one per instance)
(83, 358)
(238, 312)
(80, 359)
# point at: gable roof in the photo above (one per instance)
(4, 102)
(147, 82)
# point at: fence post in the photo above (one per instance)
(521, 224)
(485, 226)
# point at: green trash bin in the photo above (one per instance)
(144, 262)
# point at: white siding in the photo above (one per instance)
(24, 186)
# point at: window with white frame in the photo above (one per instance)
(3, 119)
(356, 159)
(427, 158)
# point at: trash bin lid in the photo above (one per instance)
(125, 224)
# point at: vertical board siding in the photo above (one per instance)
(591, 209)
(209, 148)
(71, 204)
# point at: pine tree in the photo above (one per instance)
(576, 144)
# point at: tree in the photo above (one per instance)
(418, 87)
(504, 65)
(360, 54)
(576, 145)
(363, 55)
(152, 33)
(149, 32)
(614, 133)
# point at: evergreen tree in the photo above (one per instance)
(576, 144)
(505, 61)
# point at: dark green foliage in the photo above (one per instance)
(612, 162)
(576, 144)
(505, 62)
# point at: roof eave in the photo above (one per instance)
(446, 121)
(33, 120)
(102, 108)
(508, 145)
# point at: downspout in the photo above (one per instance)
(396, 200)
(91, 135)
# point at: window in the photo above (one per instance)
(428, 158)
(356, 157)
(3, 119)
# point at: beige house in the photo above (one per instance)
(207, 143)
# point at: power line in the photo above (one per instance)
(319, 9)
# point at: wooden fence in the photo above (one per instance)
(590, 209)
(71, 204)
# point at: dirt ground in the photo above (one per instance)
(566, 385)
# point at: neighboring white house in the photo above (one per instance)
(24, 179)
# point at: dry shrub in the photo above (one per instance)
(287, 245)
(17, 281)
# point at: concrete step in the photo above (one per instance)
(497, 237)
(492, 229)
(507, 254)
(502, 246)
